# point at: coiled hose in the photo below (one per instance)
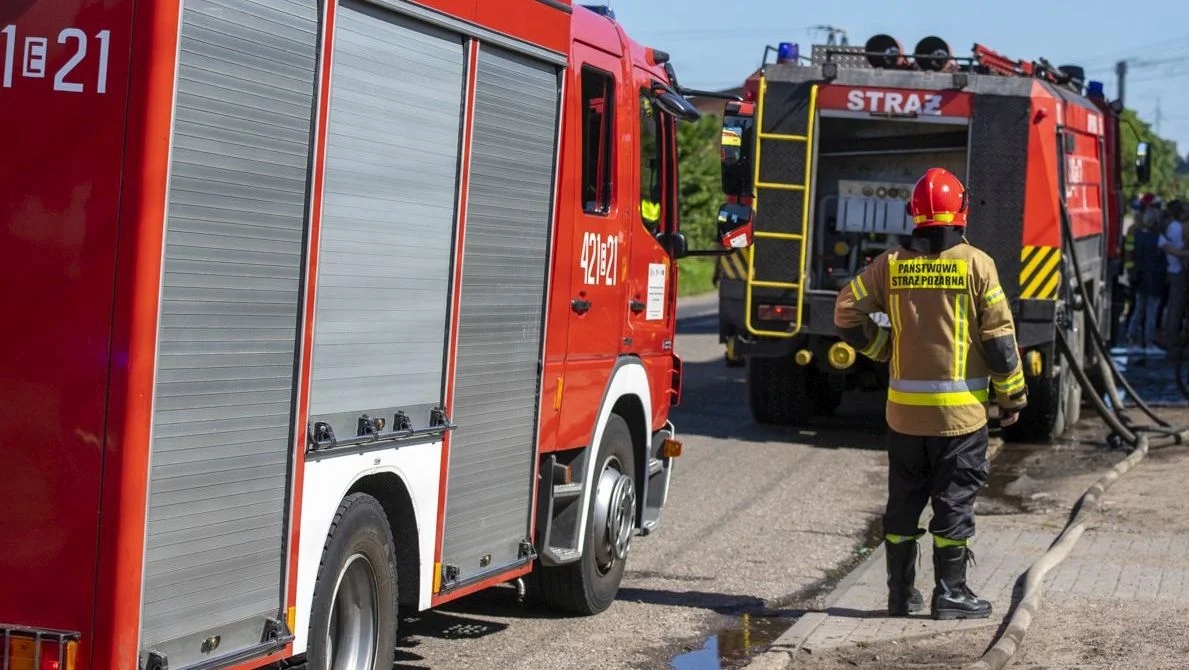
(1136, 435)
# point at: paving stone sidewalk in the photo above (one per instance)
(1115, 565)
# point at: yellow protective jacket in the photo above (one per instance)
(951, 337)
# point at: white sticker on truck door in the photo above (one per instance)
(656, 292)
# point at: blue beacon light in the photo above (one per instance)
(787, 52)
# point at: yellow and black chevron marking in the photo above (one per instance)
(733, 265)
(1040, 272)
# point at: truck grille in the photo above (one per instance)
(37, 648)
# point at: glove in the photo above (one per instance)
(1009, 408)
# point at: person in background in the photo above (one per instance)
(1172, 243)
(1138, 206)
(1126, 284)
(1148, 282)
(1161, 226)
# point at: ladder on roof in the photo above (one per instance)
(797, 285)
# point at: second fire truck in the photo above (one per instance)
(322, 308)
(826, 152)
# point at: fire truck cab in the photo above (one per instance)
(324, 308)
(827, 148)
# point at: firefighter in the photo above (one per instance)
(951, 340)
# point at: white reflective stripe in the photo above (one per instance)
(944, 386)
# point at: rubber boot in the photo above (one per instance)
(952, 598)
(903, 597)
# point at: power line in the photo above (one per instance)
(708, 32)
(1136, 51)
(1158, 77)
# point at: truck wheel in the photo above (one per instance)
(354, 615)
(778, 391)
(826, 394)
(1043, 420)
(589, 585)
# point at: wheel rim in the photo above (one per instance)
(351, 630)
(615, 510)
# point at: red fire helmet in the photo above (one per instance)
(938, 199)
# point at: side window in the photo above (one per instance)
(598, 109)
(652, 165)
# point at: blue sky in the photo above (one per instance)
(717, 43)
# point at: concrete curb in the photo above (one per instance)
(780, 653)
(797, 639)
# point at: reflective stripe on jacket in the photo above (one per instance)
(951, 342)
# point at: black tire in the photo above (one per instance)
(1054, 403)
(586, 587)
(360, 541)
(778, 391)
(826, 397)
(1043, 420)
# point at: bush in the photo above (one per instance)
(700, 195)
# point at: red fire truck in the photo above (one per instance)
(325, 307)
(827, 152)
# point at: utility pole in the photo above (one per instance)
(1157, 124)
(1121, 72)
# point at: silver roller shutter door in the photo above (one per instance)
(505, 262)
(234, 230)
(388, 219)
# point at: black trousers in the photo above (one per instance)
(950, 471)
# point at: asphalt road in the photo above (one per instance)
(758, 521)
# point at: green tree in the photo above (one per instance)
(700, 188)
(699, 195)
(1164, 181)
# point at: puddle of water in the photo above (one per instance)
(730, 647)
(751, 633)
(1154, 378)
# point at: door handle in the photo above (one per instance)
(580, 306)
(636, 306)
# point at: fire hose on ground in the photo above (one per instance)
(1141, 437)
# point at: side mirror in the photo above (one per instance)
(735, 155)
(1143, 162)
(673, 103)
(675, 244)
(734, 232)
(735, 226)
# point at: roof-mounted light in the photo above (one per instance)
(787, 52)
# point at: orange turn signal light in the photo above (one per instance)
(54, 655)
(671, 448)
